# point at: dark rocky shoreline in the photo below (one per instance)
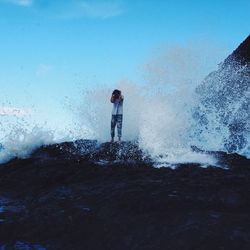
(60, 199)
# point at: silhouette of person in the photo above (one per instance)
(117, 113)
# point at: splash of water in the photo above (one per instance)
(161, 114)
(21, 142)
(223, 112)
(172, 110)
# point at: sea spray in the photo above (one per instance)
(21, 142)
(21, 134)
(158, 113)
(167, 113)
(223, 111)
(160, 123)
(161, 113)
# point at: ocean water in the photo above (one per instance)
(175, 107)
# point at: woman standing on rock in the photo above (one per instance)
(117, 100)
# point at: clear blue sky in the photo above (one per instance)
(50, 49)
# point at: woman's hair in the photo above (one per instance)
(116, 93)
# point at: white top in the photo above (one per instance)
(117, 107)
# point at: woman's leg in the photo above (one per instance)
(119, 127)
(113, 123)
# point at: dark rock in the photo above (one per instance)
(241, 54)
(69, 201)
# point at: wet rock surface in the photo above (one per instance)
(63, 198)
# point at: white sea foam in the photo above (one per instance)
(21, 142)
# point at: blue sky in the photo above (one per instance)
(52, 49)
